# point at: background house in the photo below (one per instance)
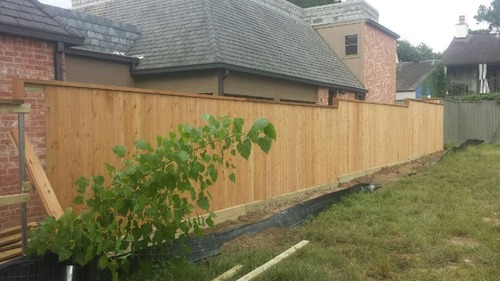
(411, 79)
(367, 48)
(472, 62)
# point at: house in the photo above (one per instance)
(31, 46)
(472, 62)
(265, 49)
(231, 48)
(411, 80)
(367, 48)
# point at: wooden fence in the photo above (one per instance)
(471, 120)
(316, 145)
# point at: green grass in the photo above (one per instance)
(442, 224)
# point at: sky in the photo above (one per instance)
(431, 22)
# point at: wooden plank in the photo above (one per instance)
(16, 245)
(228, 274)
(16, 229)
(7, 240)
(14, 199)
(252, 275)
(38, 176)
(14, 108)
(10, 254)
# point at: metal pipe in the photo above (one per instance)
(223, 75)
(58, 61)
(22, 177)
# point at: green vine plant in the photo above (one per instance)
(150, 200)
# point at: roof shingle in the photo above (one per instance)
(474, 49)
(237, 33)
(410, 75)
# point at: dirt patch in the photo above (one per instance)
(464, 241)
(382, 177)
(493, 221)
(271, 237)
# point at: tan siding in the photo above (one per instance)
(334, 35)
(189, 82)
(97, 71)
(238, 83)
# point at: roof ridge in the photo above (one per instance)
(213, 36)
(41, 7)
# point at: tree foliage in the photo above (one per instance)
(436, 81)
(313, 3)
(150, 199)
(410, 53)
(490, 15)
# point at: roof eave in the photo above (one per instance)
(383, 28)
(103, 56)
(245, 70)
(42, 35)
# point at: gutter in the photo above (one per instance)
(222, 76)
(58, 61)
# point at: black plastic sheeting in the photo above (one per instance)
(466, 144)
(209, 245)
(48, 268)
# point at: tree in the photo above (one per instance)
(490, 15)
(407, 52)
(313, 3)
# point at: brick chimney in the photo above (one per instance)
(75, 4)
(462, 28)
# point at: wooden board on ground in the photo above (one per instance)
(38, 176)
(10, 242)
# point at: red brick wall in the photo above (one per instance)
(26, 58)
(322, 96)
(380, 65)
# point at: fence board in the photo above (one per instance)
(315, 144)
(471, 120)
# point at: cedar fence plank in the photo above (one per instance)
(38, 176)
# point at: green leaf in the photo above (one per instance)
(82, 184)
(260, 124)
(270, 131)
(238, 126)
(245, 148)
(183, 156)
(203, 203)
(78, 200)
(232, 177)
(264, 144)
(110, 168)
(141, 144)
(209, 221)
(120, 151)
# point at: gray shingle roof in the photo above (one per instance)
(101, 34)
(410, 75)
(236, 33)
(28, 15)
(474, 49)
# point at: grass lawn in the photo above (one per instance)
(441, 224)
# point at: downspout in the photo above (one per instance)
(222, 76)
(58, 61)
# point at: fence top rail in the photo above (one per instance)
(335, 104)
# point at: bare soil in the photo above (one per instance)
(383, 177)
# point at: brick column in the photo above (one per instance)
(322, 96)
(25, 58)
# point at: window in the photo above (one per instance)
(351, 45)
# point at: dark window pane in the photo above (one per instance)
(351, 50)
(351, 45)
